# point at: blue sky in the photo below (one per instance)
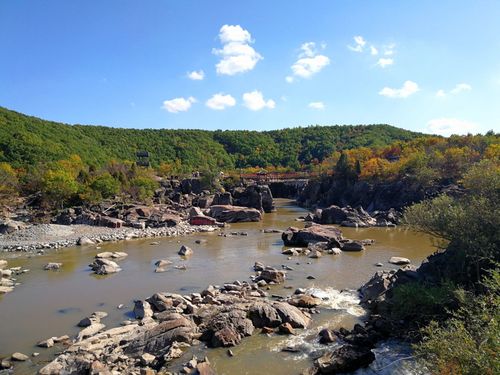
(431, 66)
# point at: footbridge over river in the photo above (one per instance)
(282, 184)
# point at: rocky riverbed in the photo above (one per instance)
(54, 236)
(72, 292)
(167, 322)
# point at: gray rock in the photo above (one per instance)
(85, 241)
(49, 343)
(90, 330)
(315, 233)
(104, 266)
(142, 309)
(52, 266)
(163, 263)
(20, 357)
(352, 246)
(233, 214)
(185, 251)
(399, 260)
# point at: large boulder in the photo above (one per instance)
(264, 314)
(191, 185)
(399, 261)
(233, 214)
(227, 328)
(255, 196)
(347, 217)
(224, 199)
(9, 226)
(103, 266)
(156, 340)
(206, 201)
(333, 215)
(352, 246)
(110, 222)
(347, 358)
(315, 233)
(185, 251)
(271, 275)
(195, 211)
(305, 300)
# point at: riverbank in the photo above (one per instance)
(55, 236)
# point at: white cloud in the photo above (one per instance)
(440, 94)
(237, 55)
(196, 75)
(449, 126)
(409, 88)
(220, 102)
(459, 88)
(389, 49)
(308, 49)
(373, 50)
(317, 105)
(309, 62)
(383, 62)
(359, 44)
(234, 33)
(308, 66)
(178, 104)
(255, 101)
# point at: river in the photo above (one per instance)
(49, 303)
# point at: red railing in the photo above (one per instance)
(276, 176)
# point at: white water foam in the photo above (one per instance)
(393, 358)
(339, 300)
(306, 342)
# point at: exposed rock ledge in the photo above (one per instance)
(218, 316)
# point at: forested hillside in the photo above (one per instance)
(27, 141)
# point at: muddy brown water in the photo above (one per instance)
(49, 303)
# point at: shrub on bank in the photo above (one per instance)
(468, 342)
(421, 303)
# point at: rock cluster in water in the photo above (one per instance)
(7, 277)
(166, 323)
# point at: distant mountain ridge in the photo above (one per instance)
(27, 141)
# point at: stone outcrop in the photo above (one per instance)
(328, 191)
(224, 199)
(345, 359)
(254, 196)
(315, 233)
(221, 317)
(234, 214)
(347, 217)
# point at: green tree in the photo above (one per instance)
(8, 182)
(59, 186)
(142, 188)
(106, 185)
